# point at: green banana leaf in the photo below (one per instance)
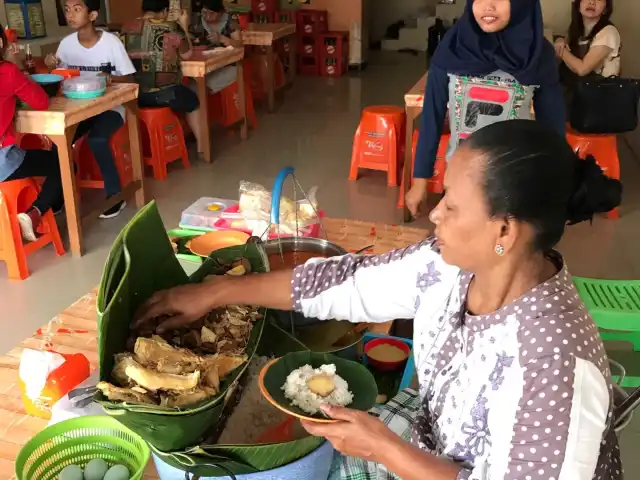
(361, 382)
(140, 263)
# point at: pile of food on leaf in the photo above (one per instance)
(184, 366)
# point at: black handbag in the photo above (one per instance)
(605, 105)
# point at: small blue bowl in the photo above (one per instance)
(45, 78)
(49, 82)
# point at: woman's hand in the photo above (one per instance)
(185, 304)
(560, 44)
(358, 434)
(51, 60)
(416, 196)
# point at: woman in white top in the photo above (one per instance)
(593, 43)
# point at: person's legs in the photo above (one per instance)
(102, 128)
(40, 163)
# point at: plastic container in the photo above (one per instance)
(82, 88)
(61, 381)
(315, 466)
(409, 369)
(76, 442)
(66, 73)
(226, 222)
(26, 17)
(204, 213)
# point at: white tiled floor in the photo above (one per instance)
(312, 131)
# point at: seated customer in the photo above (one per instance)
(157, 45)
(514, 382)
(91, 50)
(16, 163)
(593, 43)
(220, 31)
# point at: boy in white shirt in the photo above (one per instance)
(92, 51)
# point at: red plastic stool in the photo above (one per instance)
(224, 106)
(89, 175)
(32, 141)
(16, 196)
(435, 183)
(604, 149)
(162, 140)
(378, 142)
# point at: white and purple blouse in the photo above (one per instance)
(523, 393)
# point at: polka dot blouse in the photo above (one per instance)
(521, 394)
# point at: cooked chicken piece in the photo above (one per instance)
(187, 398)
(118, 373)
(128, 395)
(225, 363)
(167, 366)
(211, 377)
(154, 380)
(208, 336)
(152, 350)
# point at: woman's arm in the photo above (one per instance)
(592, 60)
(372, 288)
(28, 91)
(434, 110)
(235, 37)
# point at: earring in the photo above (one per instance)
(499, 250)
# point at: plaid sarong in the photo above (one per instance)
(399, 415)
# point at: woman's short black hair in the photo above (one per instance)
(5, 42)
(214, 5)
(155, 6)
(532, 175)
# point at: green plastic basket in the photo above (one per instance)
(76, 442)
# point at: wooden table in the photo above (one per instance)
(413, 101)
(75, 331)
(198, 67)
(265, 35)
(60, 122)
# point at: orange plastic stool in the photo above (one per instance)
(604, 149)
(89, 175)
(224, 106)
(162, 140)
(378, 142)
(435, 183)
(16, 196)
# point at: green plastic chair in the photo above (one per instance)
(614, 306)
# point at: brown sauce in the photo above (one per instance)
(387, 353)
(290, 260)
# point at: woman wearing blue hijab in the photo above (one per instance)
(494, 64)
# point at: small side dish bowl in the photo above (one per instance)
(49, 82)
(66, 72)
(359, 380)
(212, 241)
(382, 364)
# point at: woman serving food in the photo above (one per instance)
(514, 381)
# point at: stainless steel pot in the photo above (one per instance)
(323, 248)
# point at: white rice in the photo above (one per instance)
(295, 389)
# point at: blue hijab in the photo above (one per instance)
(519, 50)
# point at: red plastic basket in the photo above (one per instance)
(312, 230)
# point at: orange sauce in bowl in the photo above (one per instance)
(289, 260)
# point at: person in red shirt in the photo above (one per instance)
(16, 163)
